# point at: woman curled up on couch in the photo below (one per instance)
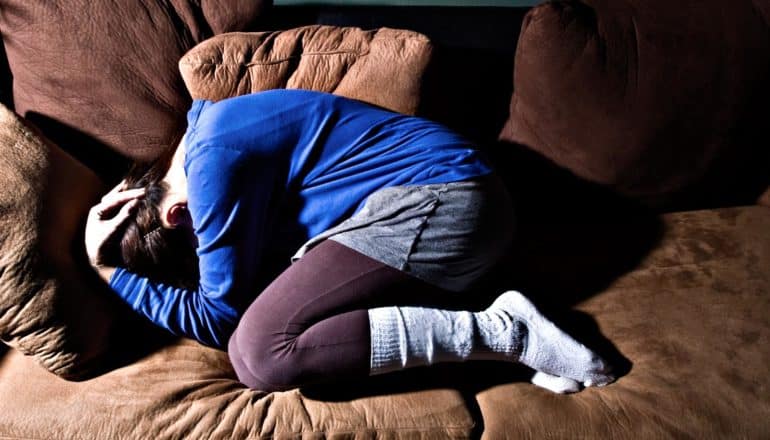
(375, 209)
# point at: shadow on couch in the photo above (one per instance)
(99, 158)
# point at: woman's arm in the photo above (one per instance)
(228, 193)
(232, 159)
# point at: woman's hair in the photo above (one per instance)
(147, 248)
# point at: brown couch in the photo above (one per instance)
(631, 134)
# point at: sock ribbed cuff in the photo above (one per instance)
(388, 341)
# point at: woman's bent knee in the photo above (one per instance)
(263, 361)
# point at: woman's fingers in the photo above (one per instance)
(112, 201)
(123, 214)
(116, 189)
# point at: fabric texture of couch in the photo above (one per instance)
(678, 300)
(47, 309)
(100, 78)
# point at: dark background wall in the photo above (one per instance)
(469, 83)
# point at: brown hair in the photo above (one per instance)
(149, 249)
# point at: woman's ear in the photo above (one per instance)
(178, 215)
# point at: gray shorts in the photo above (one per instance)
(446, 234)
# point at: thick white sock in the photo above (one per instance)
(548, 348)
(511, 329)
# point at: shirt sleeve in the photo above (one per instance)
(227, 198)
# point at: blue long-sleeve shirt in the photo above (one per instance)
(266, 172)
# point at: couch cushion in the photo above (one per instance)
(95, 74)
(694, 320)
(47, 308)
(187, 390)
(652, 98)
(384, 67)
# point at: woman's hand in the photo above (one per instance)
(105, 218)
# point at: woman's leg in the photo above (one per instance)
(323, 318)
(311, 324)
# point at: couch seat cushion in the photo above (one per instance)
(694, 320)
(188, 390)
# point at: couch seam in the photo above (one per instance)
(352, 431)
(276, 61)
(3, 437)
(316, 431)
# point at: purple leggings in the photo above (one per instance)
(311, 324)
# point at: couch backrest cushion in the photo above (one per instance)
(649, 97)
(384, 67)
(92, 74)
(48, 309)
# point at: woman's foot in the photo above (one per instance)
(546, 348)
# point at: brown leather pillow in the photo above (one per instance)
(383, 67)
(92, 74)
(649, 97)
(47, 308)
